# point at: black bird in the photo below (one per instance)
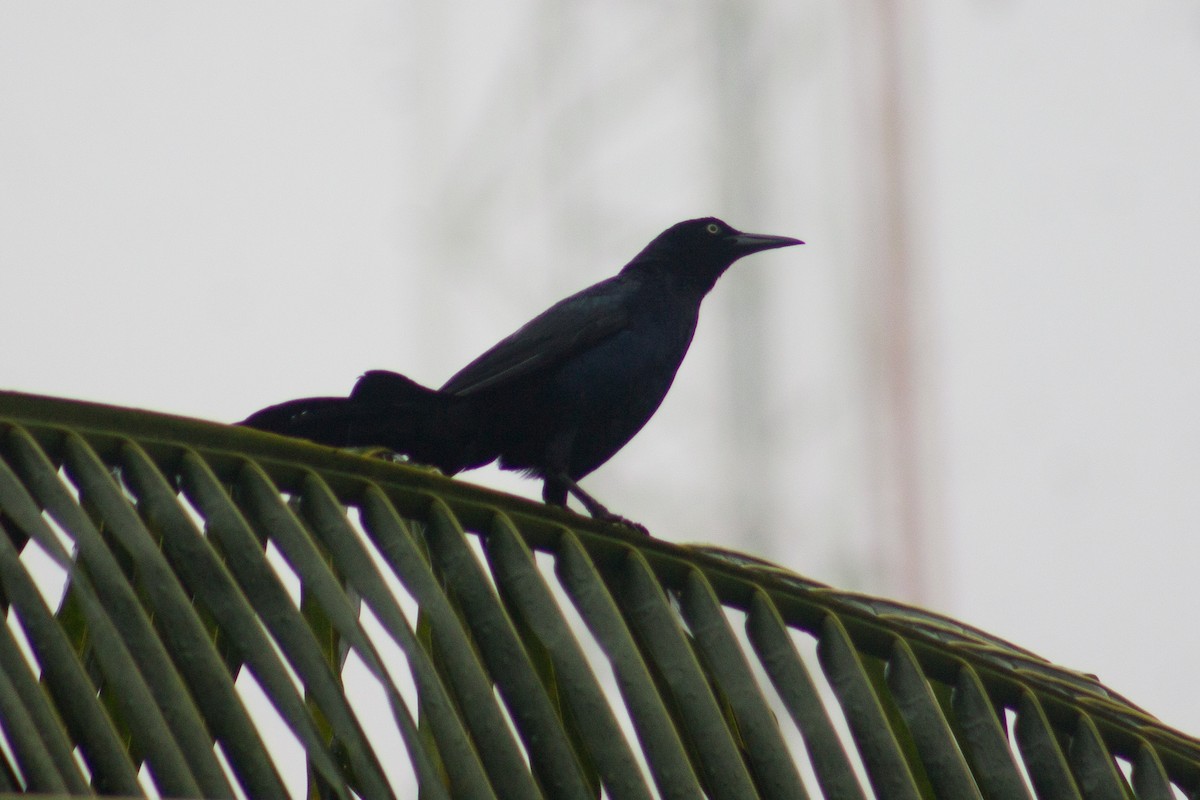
(561, 395)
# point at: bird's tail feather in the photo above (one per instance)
(306, 418)
(385, 409)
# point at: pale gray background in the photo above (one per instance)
(206, 208)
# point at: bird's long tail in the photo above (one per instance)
(385, 409)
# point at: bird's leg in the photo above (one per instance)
(554, 493)
(594, 507)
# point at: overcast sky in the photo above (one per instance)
(208, 208)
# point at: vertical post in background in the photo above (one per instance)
(900, 468)
(738, 116)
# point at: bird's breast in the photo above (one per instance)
(607, 395)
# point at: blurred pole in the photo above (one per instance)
(900, 467)
(748, 463)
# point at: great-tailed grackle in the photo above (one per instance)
(558, 397)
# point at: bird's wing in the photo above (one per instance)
(565, 329)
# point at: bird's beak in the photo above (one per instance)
(746, 243)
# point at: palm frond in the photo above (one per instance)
(158, 573)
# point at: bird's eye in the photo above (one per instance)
(713, 228)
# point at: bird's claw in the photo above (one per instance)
(596, 509)
(617, 519)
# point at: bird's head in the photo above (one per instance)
(700, 250)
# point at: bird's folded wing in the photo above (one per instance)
(566, 329)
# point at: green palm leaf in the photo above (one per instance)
(159, 573)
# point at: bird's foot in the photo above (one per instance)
(617, 519)
(593, 506)
(597, 509)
